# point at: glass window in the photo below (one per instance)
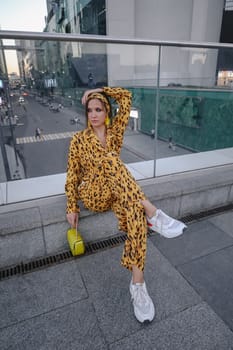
(92, 17)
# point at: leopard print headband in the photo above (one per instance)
(102, 98)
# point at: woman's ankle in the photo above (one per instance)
(137, 275)
(149, 208)
(151, 214)
(137, 280)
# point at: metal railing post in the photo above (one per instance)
(156, 112)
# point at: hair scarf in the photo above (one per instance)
(102, 98)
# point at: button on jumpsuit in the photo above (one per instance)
(97, 176)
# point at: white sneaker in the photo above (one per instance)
(143, 305)
(165, 225)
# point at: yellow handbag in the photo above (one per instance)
(75, 241)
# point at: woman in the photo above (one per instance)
(97, 177)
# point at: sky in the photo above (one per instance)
(22, 15)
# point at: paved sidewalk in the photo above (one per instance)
(84, 303)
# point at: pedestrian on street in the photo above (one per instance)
(38, 133)
(97, 176)
(91, 83)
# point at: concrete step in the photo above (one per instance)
(33, 229)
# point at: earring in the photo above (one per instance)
(107, 121)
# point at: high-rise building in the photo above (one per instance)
(188, 20)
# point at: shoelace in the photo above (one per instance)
(139, 295)
(165, 221)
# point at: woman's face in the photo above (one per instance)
(96, 113)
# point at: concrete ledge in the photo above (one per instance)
(37, 228)
(192, 192)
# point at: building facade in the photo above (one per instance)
(189, 20)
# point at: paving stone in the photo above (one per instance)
(166, 196)
(53, 212)
(107, 283)
(20, 247)
(85, 303)
(32, 294)
(199, 239)
(205, 199)
(19, 220)
(55, 237)
(212, 278)
(196, 328)
(169, 205)
(72, 327)
(98, 226)
(224, 222)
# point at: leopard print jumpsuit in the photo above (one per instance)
(97, 176)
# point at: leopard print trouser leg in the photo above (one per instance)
(113, 187)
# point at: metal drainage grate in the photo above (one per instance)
(34, 265)
(93, 247)
(90, 248)
(207, 213)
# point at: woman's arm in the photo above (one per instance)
(123, 98)
(73, 178)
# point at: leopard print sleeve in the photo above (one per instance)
(73, 178)
(123, 98)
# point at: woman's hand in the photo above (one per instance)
(88, 92)
(72, 219)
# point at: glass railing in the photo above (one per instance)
(181, 117)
